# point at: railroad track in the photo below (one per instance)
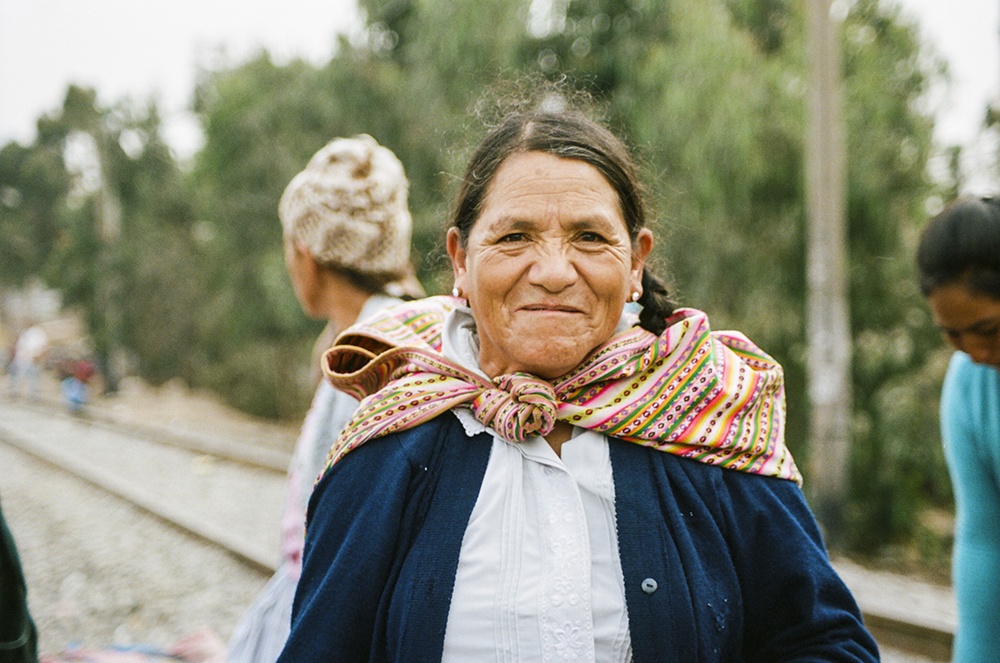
(225, 449)
(107, 454)
(226, 494)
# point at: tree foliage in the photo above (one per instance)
(116, 232)
(33, 184)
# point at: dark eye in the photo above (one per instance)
(513, 237)
(589, 236)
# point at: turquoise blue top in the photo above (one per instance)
(970, 427)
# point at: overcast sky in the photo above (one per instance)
(139, 48)
(967, 34)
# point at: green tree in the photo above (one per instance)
(125, 254)
(33, 185)
(898, 464)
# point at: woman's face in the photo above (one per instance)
(548, 265)
(970, 321)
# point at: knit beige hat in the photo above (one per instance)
(349, 208)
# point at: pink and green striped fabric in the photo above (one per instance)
(711, 396)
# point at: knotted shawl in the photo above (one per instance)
(713, 397)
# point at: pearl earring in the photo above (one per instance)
(635, 296)
(455, 292)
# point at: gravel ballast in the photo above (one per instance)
(101, 572)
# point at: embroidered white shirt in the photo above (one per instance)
(538, 577)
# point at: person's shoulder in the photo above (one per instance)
(709, 474)
(376, 303)
(413, 445)
(966, 377)
(741, 482)
(960, 364)
(733, 498)
(708, 480)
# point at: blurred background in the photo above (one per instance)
(145, 147)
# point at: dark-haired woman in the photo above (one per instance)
(535, 475)
(959, 268)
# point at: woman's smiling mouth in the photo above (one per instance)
(550, 308)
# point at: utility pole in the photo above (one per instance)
(828, 315)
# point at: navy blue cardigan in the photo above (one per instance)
(740, 570)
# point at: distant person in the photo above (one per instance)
(535, 474)
(26, 364)
(347, 228)
(958, 263)
(75, 385)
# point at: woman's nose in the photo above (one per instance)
(553, 269)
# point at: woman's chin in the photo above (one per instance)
(545, 359)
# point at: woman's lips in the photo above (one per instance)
(550, 308)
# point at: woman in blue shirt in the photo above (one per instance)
(959, 269)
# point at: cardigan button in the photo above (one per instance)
(649, 585)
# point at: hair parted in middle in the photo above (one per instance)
(962, 245)
(568, 134)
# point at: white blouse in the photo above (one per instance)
(538, 577)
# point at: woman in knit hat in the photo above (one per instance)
(347, 248)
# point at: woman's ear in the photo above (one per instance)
(309, 262)
(457, 255)
(643, 246)
(306, 275)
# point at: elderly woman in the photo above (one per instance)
(958, 262)
(532, 476)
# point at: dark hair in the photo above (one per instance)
(370, 283)
(962, 245)
(380, 282)
(569, 135)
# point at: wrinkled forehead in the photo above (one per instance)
(523, 178)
